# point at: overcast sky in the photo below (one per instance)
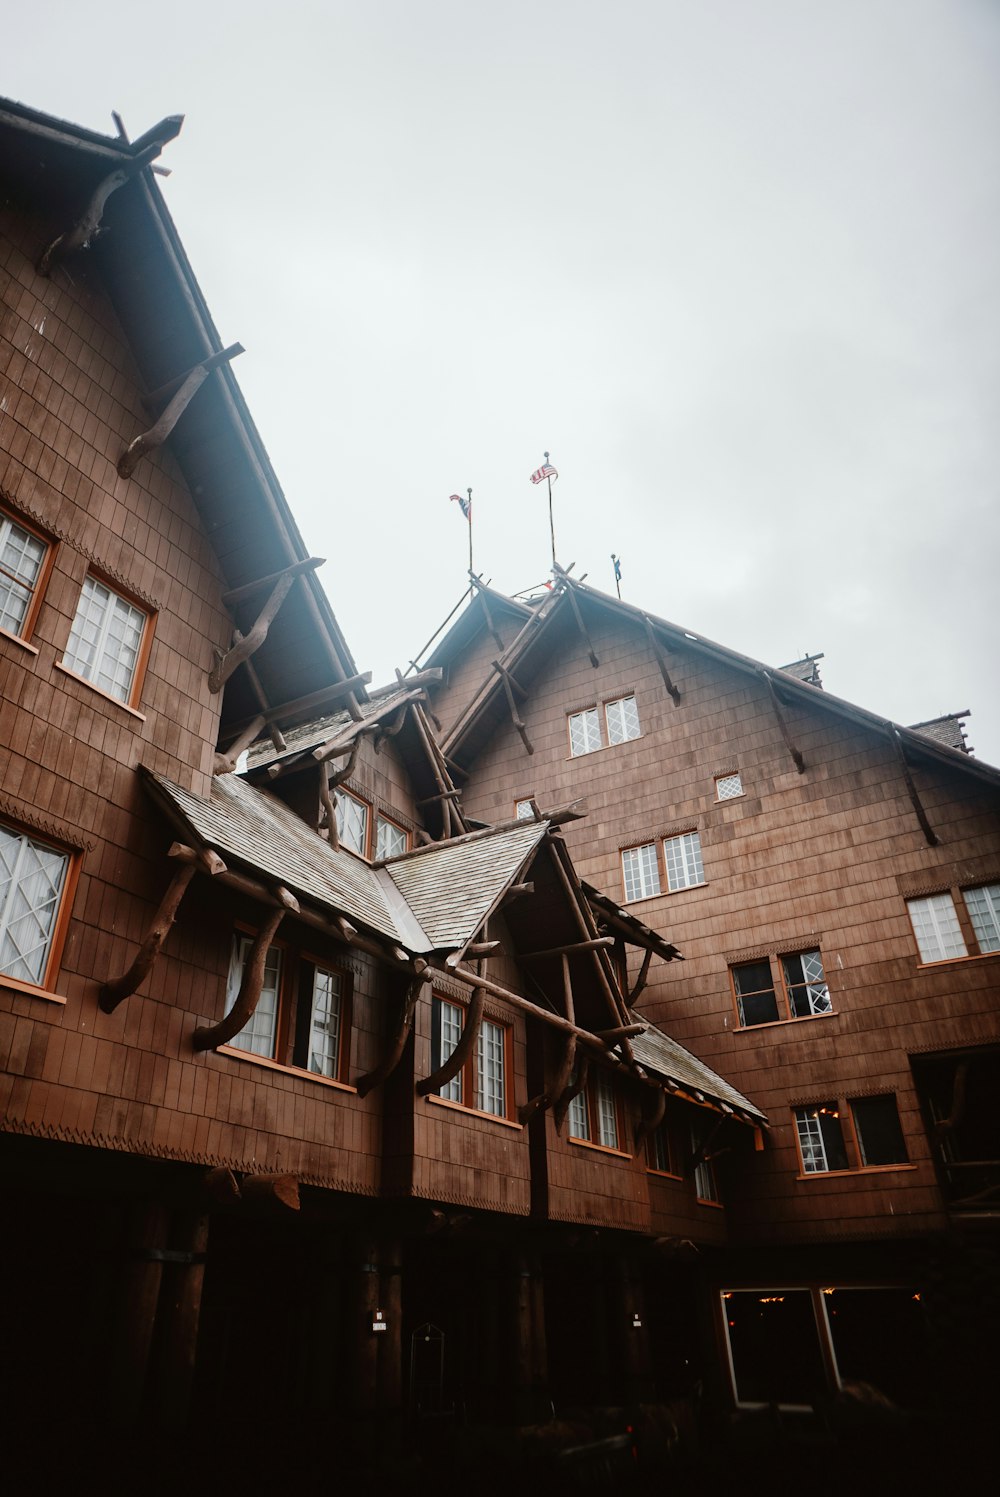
(733, 264)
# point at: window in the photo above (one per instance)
(352, 822)
(523, 810)
(105, 642)
(824, 1144)
(641, 871)
(23, 556)
(936, 927)
(484, 1076)
(593, 1114)
(623, 720)
(706, 1187)
(983, 905)
(584, 732)
(804, 991)
(660, 1151)
(33, 881)
(318, 1038)
(728, 786)
(682, 856)
(390, 839)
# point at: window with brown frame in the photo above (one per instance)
(109, 641)
(662, 1151)
(621, 724)
(368, 832)
(25, 561)
(801, 992)
(706, 1184)
(303, 1016)
(36, 888)
(872, 1139)
(593, 1117)
(937, 923)
(484, 1082)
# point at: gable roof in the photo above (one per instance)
(658, 1053)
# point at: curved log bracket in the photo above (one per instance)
(572, 1089)
(88, 227)
(244, 645)
(462, 1051)
(661, 661)
(120, 988)
(797, 759)
(930, 836)
(176, 406)
(651, 1119)
(394, 1054)
(210, 1037)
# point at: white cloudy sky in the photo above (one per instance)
(734, 264)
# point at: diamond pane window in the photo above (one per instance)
(641, 871)
(821, 1138)
(728, 786)
(259, 1034)
(105, 639)
(22, 555)
(352, 822)
(32, 879)
(522, 810)
(683, 859)
(805, 985)
(490, 1092)
(390, 839)
(325, 1022)
(936, 927)
(623, 720)
(983, 906)
(584, 732)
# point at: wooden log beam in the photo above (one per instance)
(474, 950)
(453, 818)
(250, 589)
(337, 750)
(930, 836)
(547, 1016)
(661, 661)
(622, 1031)
(490, 622)
(517, 890)
(120, 988)
(640, 981)
(226, 763)
(588, 930)
(312, 702)
(594, 943)
(514, 714)
(797, 758)
(650, 1118)
(158, 433)
(561, 814)
(573, 1088)
(256, 686)
(268, 1189)
(221, 1186)
(211, 1036)
(330, 810)
(156, 399)
(394, 1054)
(462, 1052)
(571, 594)
(88, 226)
(430, 800)
(246, 644)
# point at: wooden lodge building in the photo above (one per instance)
(349, 1074)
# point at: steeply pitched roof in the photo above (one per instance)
(658, 1053)
(337, 727)
(452, 886)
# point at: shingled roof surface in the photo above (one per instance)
(320, 730)
(657, 1052)
(452, 886)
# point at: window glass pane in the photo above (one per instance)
(805, 985)
(880, 1137)
(390, 840)
(755, 993)
(983, 906)
(352, 822)
(522, 810)
(489, 1069)
(705, 1186)
(105, 639)
(640, 870)
(21, 557)
(607, 1114)
(31, 884)
(623, 720)
(775, 1346)
(879, 1337)
(324, 1027)
(584, 732)
(821, 1138)
(936, 927)
(683, 860)
(728, 785)
(659, 1150)
(579, 1121)
(449, 1031)
(258, 1035)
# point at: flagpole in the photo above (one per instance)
(616, 564)
(552, 528)
(469, 492)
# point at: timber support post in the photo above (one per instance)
(930, 836)
(88, 226)
(158, 433)
(661, 661)
(797, 759)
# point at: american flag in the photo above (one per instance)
(464, 504)
(545, 471)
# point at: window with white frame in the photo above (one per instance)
(607, 1113)
(592, 1115)
(682, 857)
(622, 717)
(491, 1095)
(728, 786)
(935, 925)
(983, 905)
(706, 1186)
(640, 871)
(482, 1083)
(390, 839)
(326, 1007)
(802, 994)
(584, 732)
(523, 810)
(874, 1139)
(22, 566)
(352, 822)
(33, 879)
(105, 641)
(661, 1149)
(260, 1034)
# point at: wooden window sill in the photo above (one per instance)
(955, 961)
(29, 990)
(865, 1169)
(16, 639)
(276, 1065)
(715, 1205)
(132, 711)
(489, 1117)
(586, 1143)
(602, 748)
(776, 1023)
(663, 1174)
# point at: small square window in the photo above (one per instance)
(524, 810)
(682, 856)
(728, 786)
(105, 642)
(622, 719)
(584, 732)
(352, 822)
(821, 1138)
(23, 556)
(936, 927)
(641, 871)
(390, 839)
(983, 905)
(880, 1137)
(33, 880)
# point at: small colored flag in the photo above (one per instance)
(618, 567)
(545, 471)
(465, 505)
